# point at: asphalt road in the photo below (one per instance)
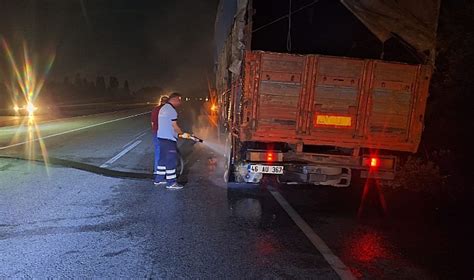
(77, 201)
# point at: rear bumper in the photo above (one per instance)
(318, 175)
(325, 169)
(337, 176)
(379, 174)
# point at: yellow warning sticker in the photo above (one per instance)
(333, 120)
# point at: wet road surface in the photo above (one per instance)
(77, 220)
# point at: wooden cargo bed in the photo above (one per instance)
(323, 100)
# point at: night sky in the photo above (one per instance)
(149, 43)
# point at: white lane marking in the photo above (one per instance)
(140, 135)
(70, 131)
(10, 127)
(121, 154)
(339, 267)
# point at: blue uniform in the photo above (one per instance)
(166, 117)
(154, 129)
(167, 137)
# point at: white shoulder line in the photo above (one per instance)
(121, 154)
(70, 131)
(339, 267)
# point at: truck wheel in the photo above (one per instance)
(228, 167)
(180, 165)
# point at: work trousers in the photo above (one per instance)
(156, 145)
(166, 170)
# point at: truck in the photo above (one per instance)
(322, 92)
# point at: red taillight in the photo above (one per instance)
(270, 157)
(384, 163)
(374, 162)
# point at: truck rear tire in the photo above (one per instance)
(228, 157)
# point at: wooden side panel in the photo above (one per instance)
(419, 108)
(391, 101)
(337, 91)
(279, 92)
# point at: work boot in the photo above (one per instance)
(162, 183)
(174, 186)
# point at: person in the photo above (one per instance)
(154, 130)
(168, 133)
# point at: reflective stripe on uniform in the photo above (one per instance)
(169, 177)
(171, 171)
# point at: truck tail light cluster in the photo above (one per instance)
(264, 156)
(375, 162)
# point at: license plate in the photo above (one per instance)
(267, 169)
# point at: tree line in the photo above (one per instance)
(80, 89)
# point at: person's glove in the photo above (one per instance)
(185, 135)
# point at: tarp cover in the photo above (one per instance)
(230, 23)
(224, 20)
(414, 21)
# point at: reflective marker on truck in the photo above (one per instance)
(333, 120)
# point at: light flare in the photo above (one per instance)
(372, 185)
(374, 162)
(27, 82)
(30, 80)
(30, 108)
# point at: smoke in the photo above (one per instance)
(194, 118)
(149, 43)
(184, 54)
(205, 129)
